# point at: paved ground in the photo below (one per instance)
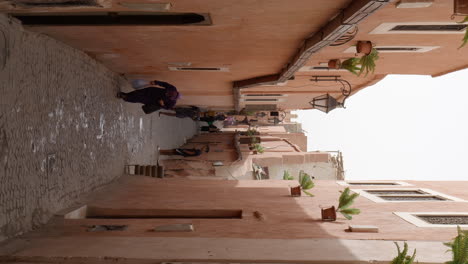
(62, 131)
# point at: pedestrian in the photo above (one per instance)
(159, 95)
(210, 128)
(211, 119)
(192, 112)
(185, 152)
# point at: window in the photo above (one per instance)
(114, 19)
(458, 27)
(261, 100)
(435, 219)
(96, 228)
(93, 212)
(373, 183)
(319, 68)
(420, 28)
(205, 69)
(405, 195)
(397, 49)
(58, 3)
(262, 95)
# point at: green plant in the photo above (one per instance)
(459, 247)
(287, 176)
(251, 132)
(253, 140)
(465, 37)
(367, 62)
(257, 147)
(345, 201)
(402, 258)
(304, 180)
(351, 65)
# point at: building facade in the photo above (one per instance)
(148, 220)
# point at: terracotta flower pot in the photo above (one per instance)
(334, 64)
(329, 214)
(364, 47)
(296, 191)
(460, 7)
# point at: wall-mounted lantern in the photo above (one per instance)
(326, 102)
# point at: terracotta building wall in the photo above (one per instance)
(284, 216)
(444, 59)
(251, 38)
(271, 220)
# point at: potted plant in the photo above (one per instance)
(351, 65)
(402, 258)
(305, 183)
(344, 202)
(364, 47)
(250, 132)
(334, 64)
(367, 62)
(459, 247)
(257, 148)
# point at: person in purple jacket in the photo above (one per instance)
(159, 95)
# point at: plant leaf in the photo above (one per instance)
(351, 65)
(459, 247)
(351, 211)
(345, 199)
(465, 37)
(308, 193)
(401, 257)
(305, 181)
(367, 62)
(347, 216)
(287, 176)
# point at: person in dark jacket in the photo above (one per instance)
(160, 95)
(185, 152)
(192, 112)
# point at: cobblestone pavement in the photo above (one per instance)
(62, 131)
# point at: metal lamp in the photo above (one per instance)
(326, 102)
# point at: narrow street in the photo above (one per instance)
(63, 133)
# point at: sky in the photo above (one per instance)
(405, 127)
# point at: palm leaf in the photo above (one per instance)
(305, 181)
(287, 176)
(344, 195)
(459, 247)
(401, 257)
(351, 211)
(351, 65)
(348, 201)
(345, 199)
(347, 213)
(367, 62)
(308, 193)
(465, 37)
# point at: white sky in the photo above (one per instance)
(407, 127)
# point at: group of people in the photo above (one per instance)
(159, 95)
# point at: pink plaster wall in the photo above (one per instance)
(284, 216)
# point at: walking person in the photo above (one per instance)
(192, 112)
(185, 152)
(158, 95)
